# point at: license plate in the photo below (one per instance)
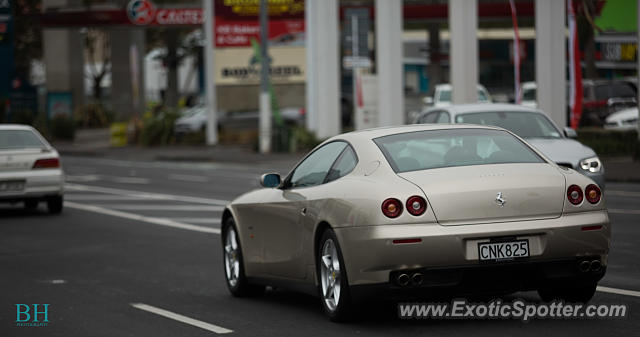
(11, 186)
(507, 250)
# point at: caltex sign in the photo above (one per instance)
(145, 13)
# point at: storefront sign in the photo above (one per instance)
(239, 66)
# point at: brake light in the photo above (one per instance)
(416, 205)
(46, 163)
(593, 193)
(392, 208)
(574, 194)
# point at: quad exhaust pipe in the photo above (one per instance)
(414, 279)
(402, 279)
(592, 266)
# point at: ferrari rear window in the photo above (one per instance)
(430, 149)
(19, 139)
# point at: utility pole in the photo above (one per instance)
(265, 98)
(210, 83)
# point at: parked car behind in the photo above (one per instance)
(626, 119)
(530, 124)
(195, 119)
(442, 95)
(30, 169)
(602, 98)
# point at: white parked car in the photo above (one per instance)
(442, 95)
(529, 94)
(30, 169)
(626, 119)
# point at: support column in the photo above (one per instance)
(434, 68)
(64, 59)
(127, 80)
(551, 59)
(389, 64)
(323, 68)
(463, 59)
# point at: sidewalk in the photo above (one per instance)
(95, 143)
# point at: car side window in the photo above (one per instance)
(314, 169)
(343, 166)
(430, 117)
(443, 117)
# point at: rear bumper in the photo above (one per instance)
(38, 184)
(371, 257)
(488, 279)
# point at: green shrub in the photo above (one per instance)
(63, 128)
(610, 143)
(94, 115)
(158, 129)
(303, 139)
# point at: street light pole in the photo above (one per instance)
(265, 98)
(210, 85)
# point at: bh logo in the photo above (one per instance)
(32, 315)
(141, 12)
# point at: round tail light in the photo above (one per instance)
(574, 194)
(416, 205)
(392, 208)
(593, 193)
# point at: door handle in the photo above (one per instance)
(303, 211)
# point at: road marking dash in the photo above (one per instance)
(618, 291)
(188, 177)
(151, 220)
(149, 207)
(146, 195)
(181, 318)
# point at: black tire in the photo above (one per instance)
(343, 310)
(30, 204)
(55, 204)
(241, 287)
(576, 293)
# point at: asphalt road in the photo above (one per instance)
(139, 241)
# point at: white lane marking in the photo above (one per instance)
(197, 220)
(189, 177)
(143, 207)
(618, 291)
(95, 177)
(146, 195)
(82, 178)
(181, 318)
(128, 180)
(622, 193)
(211, 168)
(151, 220)
(623, 211)
(98, 197)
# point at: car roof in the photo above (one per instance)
(459, 109)
(16, 127)
(368, 134)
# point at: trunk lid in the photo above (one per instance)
(469, 194)
(19, 160)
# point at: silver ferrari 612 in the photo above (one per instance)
(419, 209)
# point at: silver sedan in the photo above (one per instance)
(30, 169)
(419, 208)
(530, 124)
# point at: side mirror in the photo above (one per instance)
(270, 180)
(570, 133)
(428, 100)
